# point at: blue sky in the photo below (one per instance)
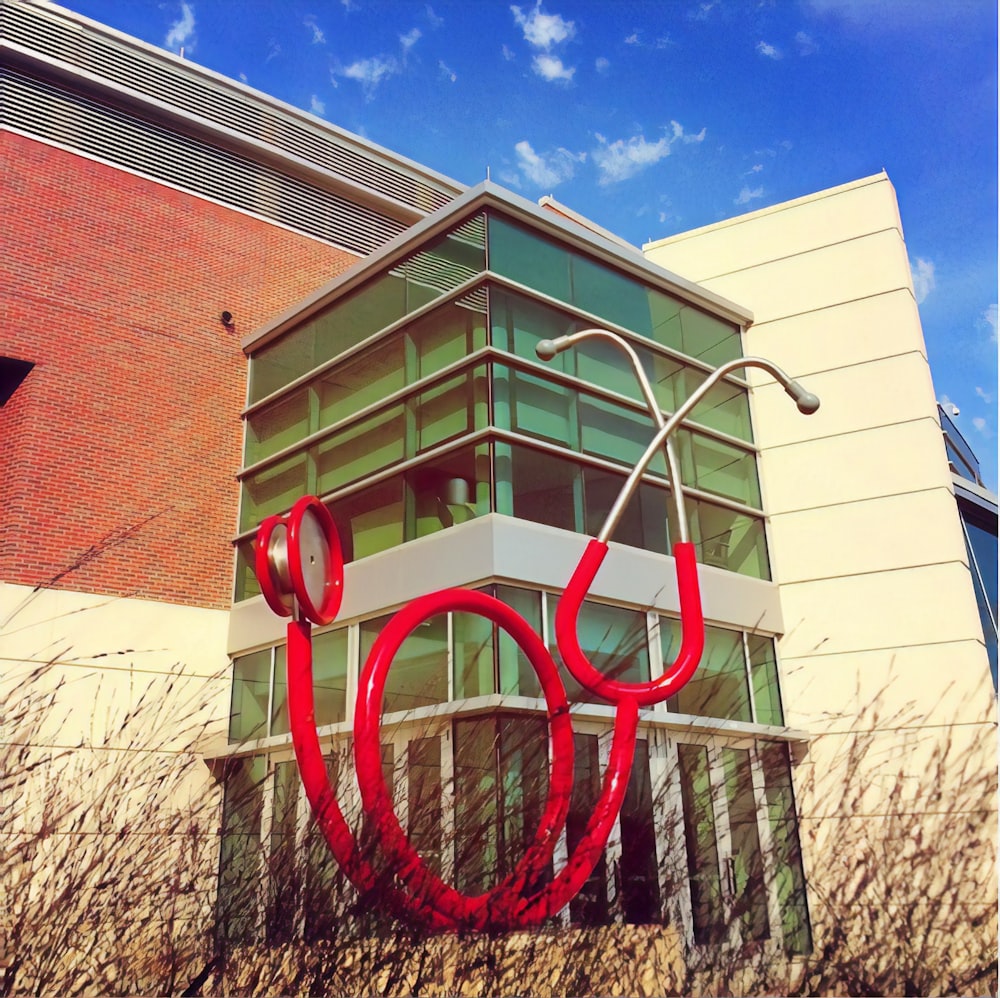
(656, 117)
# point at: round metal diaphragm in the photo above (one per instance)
(314, 555)
(315, 563)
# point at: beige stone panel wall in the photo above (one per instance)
(843, 334)
(792, 228)
(848, 271)
(908, 606)
(882, 392)
(86, 629)
(865, 464)
(889, 688)
(869, 535)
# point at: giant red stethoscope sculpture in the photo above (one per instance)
(301, 573)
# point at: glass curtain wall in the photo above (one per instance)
(392, 406)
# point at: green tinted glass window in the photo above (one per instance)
(477, 832)
(240, 852)
(278, 426)
(329, 682)
(749, 890)
(719, 686)
(419, 673)
(250, 695)
(272, 488)
(726, 539)
(615, 641)
(423, 795)
(644, 521)
(473, 655)
(543, 409)
(371, 520)
(425, 275)
(764, 676)
(363, 380)
(702, 848)
(789, 874)
(576, 279)
(529, 259)
(713, 466)
(361, 449)
(545, 489)
(516, 673)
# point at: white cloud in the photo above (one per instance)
(551, 68)
(701, 12)
(547, 170)
(949, 407)
(923, 278)
(432, 19)
(348, 5)
(746, 195)
(317, 32)
(806, 44)
(409, 39)
(542, 31)
(633, 39)
(601, 64)
(624, 158)
(980, 424)
(507, 53)
(984, 395)
(679, 133)
(988, 321)
(768, 50)
(369, 72)
(274, 50)
(756, 168)
(446, 72)
(181, 32)
(316, 106)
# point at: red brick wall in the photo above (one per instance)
(118, 453)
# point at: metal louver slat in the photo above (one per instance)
(51, 33)
(109, 134)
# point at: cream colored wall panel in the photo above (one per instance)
(870, 265)
(889, 688)
(875, 535)
(103, 630)
(913, 606)
(852, 332)
(892, 390)
(884, 460)
(794, 227)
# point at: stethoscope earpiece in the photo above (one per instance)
(299, 564)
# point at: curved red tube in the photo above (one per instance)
(692, 631)
(278, 601)
(445, 900)
(316, 780)
(324, 611)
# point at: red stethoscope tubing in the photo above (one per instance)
(428, 899)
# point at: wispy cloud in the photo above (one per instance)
(273, 51)
(552, 68)
(507, 53)
(316, 106)
(660, 42)
(988, 322)
(702, 11)
(318, 37)
(981, 425)
(624, 158)
(601, 64)
(542, 31)
(922, 272)
(746, 195)
(447, 72)
(756, 168)
(181, 33)
(984, 395)
(549, 169)
(409, 39)
(370, 73)
(805, 44)
(432, 19)
(767, 50)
